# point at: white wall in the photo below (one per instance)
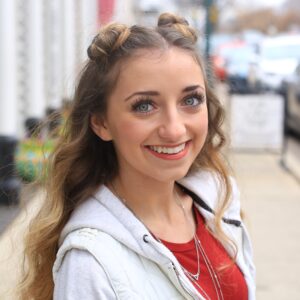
(43, 44)
(36, 100)
(8, 75)
(124, 12)
(43, 47)
(53, 41)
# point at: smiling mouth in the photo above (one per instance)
(168, 150)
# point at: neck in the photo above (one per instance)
(146, 200)
(161, 206)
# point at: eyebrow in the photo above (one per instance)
(192, 88)
(154, 93)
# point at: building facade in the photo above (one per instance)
(43, 48)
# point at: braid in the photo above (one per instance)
(178, 23)
(110, 38)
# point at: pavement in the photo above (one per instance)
(11, 236)
(7, 214)
(270, 197)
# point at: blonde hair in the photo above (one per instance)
(69, 177)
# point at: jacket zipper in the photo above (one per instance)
(179, 280)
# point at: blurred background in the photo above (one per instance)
(252, 54)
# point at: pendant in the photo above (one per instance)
(196, 276)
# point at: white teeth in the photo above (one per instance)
(168, 150)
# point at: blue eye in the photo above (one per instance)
(193, 100)
(143, 106)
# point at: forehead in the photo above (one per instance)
(156, 68)
(155, 57)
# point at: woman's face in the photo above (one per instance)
(156, 115)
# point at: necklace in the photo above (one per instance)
(198, 246)
(212, 274)
(194, 277)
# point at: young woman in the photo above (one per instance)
(140, 204)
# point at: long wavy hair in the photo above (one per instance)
(71, 173)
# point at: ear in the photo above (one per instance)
(100, 128)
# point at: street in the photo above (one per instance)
(270, 197)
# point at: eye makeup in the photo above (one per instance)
(142, 105)
(198, 99)
(145, 105)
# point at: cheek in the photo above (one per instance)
(204, 125)
(200, 124)
(128, 131)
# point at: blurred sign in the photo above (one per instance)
(257, 122)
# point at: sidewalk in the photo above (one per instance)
(11, 247)
(271, 202)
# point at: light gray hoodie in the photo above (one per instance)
(107, 253)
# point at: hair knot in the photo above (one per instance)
(178, 23)
(110, 38)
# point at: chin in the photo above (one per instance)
(174, 176)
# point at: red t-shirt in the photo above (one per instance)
(231, 279)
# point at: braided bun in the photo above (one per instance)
(110, 38)
(178, 23)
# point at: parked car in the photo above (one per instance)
(241, 70)
(279, 57)
(292, 104)
(220, 51)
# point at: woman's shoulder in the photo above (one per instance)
(85, 244)
(91, 213)
(80, 276)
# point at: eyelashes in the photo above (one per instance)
(147, 105)
(196, 98)
(143, 105)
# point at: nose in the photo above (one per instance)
(172, 128)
